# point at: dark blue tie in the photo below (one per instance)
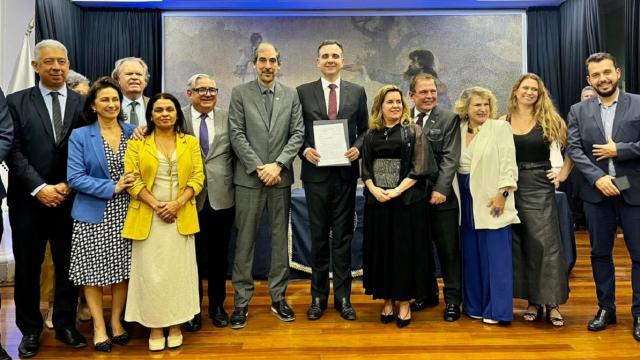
(204, 134)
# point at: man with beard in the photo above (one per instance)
(604, 144)
(132, 74)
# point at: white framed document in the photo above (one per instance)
(332, 142)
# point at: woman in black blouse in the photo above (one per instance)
(398, 257)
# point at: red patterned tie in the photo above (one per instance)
(333, 102)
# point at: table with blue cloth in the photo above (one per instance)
(300, 240)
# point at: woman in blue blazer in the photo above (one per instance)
(95, 170)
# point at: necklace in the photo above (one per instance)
(473, 130)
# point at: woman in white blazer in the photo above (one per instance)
(487, 176)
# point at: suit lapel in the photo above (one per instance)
(481, 142)
(597, 117)
(621, 110)
(344, 97)
(218, 123)
(430, 121)
(150, 146)
(98, 146)
(278, 97)
(69, 112)
(318, 94)
(259, 102)
(43, 114)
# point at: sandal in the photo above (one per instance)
(531, 315)
(557, 321)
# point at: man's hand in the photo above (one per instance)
(268, 172)
(605, 185)
(496, 204)
(605, 151)
(50, 196)
(437, 198)
(312, 155)
(352, 154)
(139, 132)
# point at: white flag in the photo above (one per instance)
(23, 75)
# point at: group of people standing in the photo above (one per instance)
(141, 194)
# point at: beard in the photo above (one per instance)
(604, 94)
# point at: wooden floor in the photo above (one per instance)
(428, 336)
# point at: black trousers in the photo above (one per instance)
(32, 226)
(602, 225)
(444, 232)
(212, 247)
(331, 206)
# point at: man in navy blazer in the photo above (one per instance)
(6, 138)
(39, 198)
(604, 144)
(331, 191)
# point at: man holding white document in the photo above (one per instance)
(335, 118)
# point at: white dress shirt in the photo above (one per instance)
(140, 110)
(326, 90)
(195, 123)
(416, 112)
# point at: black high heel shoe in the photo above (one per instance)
(385, 319)
(122, 339)
(403, 322)
(103, 346)
(530, 316)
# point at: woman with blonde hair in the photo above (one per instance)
(396, 161)
(539, 266)
(487, 176)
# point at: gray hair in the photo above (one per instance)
(587, 88)
(191, 83)
(74, 79)
(49, 44)
(115, 74)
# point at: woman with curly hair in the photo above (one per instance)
(397, 254)
(539, 268)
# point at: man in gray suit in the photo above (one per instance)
(442, 128)
(210, 125)
(132, 74)
(266, 129)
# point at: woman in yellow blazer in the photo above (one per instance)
(487, 176)
(167, 165)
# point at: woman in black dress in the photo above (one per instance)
(540, 273)
(398, 256)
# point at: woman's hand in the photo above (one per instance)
(554, 176)
(393, 193)
(126, 181)
(380, 194)
(496, 205)
(168, 211)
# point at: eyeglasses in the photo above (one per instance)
(204, 91)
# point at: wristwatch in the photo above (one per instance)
(280, 165)
(505, 193)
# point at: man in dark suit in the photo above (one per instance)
(330, 191)
(39, 198)
(210, 125)
(442, 128)
(604, 144)
(132, 74)
(6, 139)
(266, 130)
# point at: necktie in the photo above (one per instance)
(333, 102)
(133, 115)
(57, 114)
(268, 103)
(204, 134)
(420, 119)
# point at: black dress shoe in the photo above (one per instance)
(71, 337)
(347, 311)
(3, 354)
(603, 318)
(122, 339)
(282, 310)
(104, 346)
(402, 322)
(421, 304)
(316, 309)
(238, 318)
(451, 312)
(29, 346)
(194, 324)
(218, 316)
(636, 328)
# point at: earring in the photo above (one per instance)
(94, 109)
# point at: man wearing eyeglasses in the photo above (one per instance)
(210, 125)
